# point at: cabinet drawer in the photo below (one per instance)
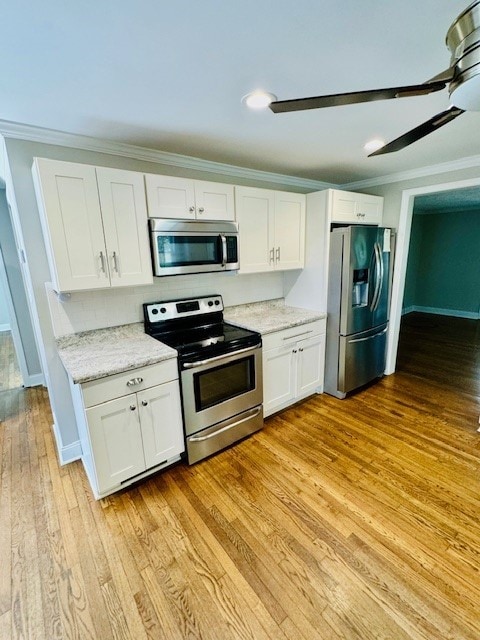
(292, 334)
(121, 384)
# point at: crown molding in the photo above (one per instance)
(51, 136)
(444, 167)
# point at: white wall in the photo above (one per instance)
(4, 316)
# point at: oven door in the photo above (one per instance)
(222, 387)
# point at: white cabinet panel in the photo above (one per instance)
(72, 224)
(124, 213)
(295, 369)
(278, 378)
(272, 229)
(94, 222)
(171, 197)
(356, 208)
(255, 217)
(116, 441)
(160, 418)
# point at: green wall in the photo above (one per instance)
(443, 271)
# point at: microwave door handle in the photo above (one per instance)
(224, 249)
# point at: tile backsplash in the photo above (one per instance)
(88, 310)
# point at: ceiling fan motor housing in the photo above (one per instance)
(463, 40)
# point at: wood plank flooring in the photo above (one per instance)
(10, 376)
(340, 520)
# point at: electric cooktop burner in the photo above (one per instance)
(195, 327)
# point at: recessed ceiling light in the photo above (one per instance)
(258, 99)
(373, 145)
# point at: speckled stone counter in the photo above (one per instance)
(95, 354)
(269, 316)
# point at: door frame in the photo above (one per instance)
(401, 258)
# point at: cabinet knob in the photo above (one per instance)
(301, 349)
(144, 403)
(201, 210)
(132, 407)
(191, 209)
(294, 351)
(134, 381)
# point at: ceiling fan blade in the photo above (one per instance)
(338, 99)
(420, 132)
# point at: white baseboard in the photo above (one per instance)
(68, 453)
(456, 313)
(4, 327)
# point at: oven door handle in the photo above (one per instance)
(191, 365)
(253, 414)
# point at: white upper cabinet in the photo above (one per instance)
(171, 197)
(94, 223)
(356, 208)
(272, 229)
(124, 214)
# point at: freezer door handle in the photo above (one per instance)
(378, 277)
(375, 335)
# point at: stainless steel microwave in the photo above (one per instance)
(190, 246)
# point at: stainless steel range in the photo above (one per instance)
(220, 371)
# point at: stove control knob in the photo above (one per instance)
(210, 303)
(154, 312)
(163, 310)
(217, 302)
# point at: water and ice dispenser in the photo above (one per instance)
(360, 288)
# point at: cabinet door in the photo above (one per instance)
(278, 378)
(310, 365)
(255, 216)
(161, 422)
(289, 230)
(116, 441)
(214, 201)
(356, 208)
(169, 197)
(124, 213)
(72, 224)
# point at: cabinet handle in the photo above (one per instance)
(301, 349)
(144, 403)
(132, 407)
(201, 210)
(294, 351)
(115, 261)
(191, 209)
(272, 255)
(278, 254)
(134, 381)
(360, 215)
(102, 262)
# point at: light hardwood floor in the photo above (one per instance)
(340, 520)
(10, 377)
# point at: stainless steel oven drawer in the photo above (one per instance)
(223, 434)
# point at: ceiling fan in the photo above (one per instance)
(462, 78)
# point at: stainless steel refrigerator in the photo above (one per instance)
(359, 282)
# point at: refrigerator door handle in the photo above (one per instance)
(375, 335)
(378, 277)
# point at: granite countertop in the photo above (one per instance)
(95, 354)
(269, 316)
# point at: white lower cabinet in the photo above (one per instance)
(126, 436)
(293, 365)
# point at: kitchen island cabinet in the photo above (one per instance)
(272, 229)
(94, 222)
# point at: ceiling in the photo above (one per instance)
(170, 76)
